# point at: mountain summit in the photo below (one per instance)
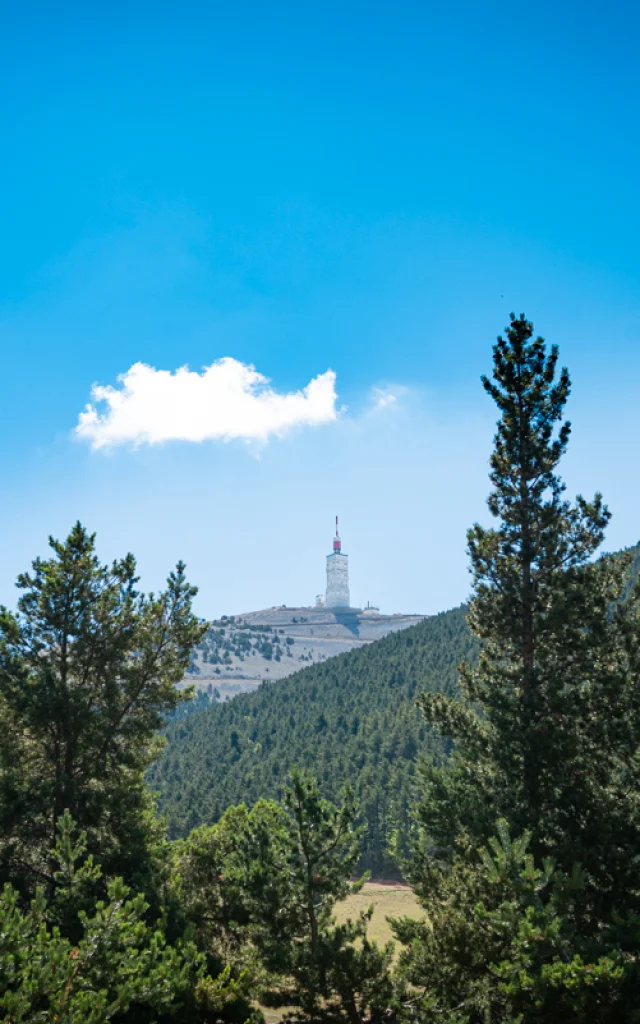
(240, 652)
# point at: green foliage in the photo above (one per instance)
(118, 964)
(74, 880)
(194, 704)
(72, 959)
(88, 670)
(547, 731)
(548, 724)
(503, 941)
(351, 718)
(261, 886)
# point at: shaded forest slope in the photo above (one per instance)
(352, 719)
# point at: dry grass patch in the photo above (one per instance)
(388, 900)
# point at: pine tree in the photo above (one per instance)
(78, 960)
(502, 941)
(547, 738)
(88, 670)
(548, 723)
(261, 887)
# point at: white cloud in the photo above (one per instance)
(227, 400)
(382, 397)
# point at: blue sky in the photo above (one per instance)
(366, 189)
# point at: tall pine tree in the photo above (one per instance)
(88, 670)
(547, 726)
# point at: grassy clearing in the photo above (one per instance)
(392, 900)
(387, 900)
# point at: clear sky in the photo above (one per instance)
(348, 197)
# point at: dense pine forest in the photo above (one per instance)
(351, 720)
(492, 751)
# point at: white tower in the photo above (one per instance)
(337, 575)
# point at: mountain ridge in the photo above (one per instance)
(239, 652)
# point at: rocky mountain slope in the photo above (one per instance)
(240, 652)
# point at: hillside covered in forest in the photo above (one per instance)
(351, 719)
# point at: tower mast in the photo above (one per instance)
(337, 575)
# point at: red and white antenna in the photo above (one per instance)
(337, 543)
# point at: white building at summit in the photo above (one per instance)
(337, 595)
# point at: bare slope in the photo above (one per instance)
(240, 652)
